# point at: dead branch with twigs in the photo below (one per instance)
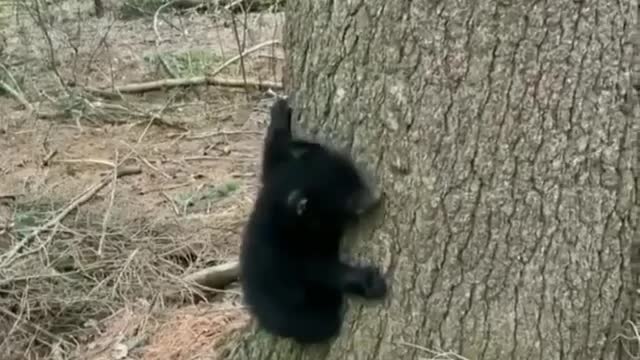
(232, 5)
(198, 80)
(137, 88)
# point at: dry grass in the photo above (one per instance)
(88, 279)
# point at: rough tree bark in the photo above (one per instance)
(499, 133)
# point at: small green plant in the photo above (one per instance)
(207, 196)
(29, 216)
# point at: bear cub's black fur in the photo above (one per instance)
(292, 276)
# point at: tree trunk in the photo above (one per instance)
(498, 131)
(99, 7)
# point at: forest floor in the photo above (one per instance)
(85, 270)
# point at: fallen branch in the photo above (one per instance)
(9, 196)
(215, 277)
(7, 258)
(209, 79)
(84, 161)
(212, 134)
(164, 188)
(252, 6)
(138, 88)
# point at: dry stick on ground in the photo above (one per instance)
(10, 256)
(197, 80)
(185, 136)
(171, 83)
(48, 157)
(156, 116)
(9, 196)
(214, 277)
(437, 353)
(145, 161)
(84, 161)
(171, 202)
(163, 188)
(228, 4)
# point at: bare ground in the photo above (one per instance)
(93, 285)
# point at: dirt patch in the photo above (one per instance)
(191, 332)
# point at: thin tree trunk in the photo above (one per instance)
(496, 130)
(99, 7)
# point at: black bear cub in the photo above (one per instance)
(292, 276)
